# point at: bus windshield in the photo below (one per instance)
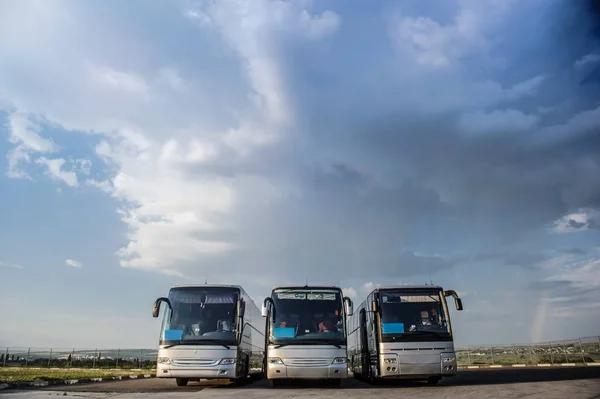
(413, 313)
(305, 315)
(200, 314)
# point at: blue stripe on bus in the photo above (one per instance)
(173, 335)
(392, 328)
(283, 332)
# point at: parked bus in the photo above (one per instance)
(209, 332)
(403, 332)
(306, 334)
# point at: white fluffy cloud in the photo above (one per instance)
(153, 138)
(587, 60)
(497, 121)
(73, 263)
(358, 294)
(436, 44)
(350, 292)
(583, 220)
(54, 169)
(11, 265)
(25, 135)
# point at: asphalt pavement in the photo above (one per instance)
(547, 383)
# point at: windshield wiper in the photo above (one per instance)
(330, 342)
(216, 341)
(293, 342)
(197, 342)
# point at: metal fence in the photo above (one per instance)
(78, 358)
(580, 350)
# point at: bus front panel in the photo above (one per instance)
(307, 362)
(195, 362)
(417, 359)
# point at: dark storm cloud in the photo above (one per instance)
(378, 164)
(522, 259)
(565, 291)
(575, 224)
(526, 260)
(572, 224)
(490, 256)
(340, 221)
(504, 184)
(575, 251)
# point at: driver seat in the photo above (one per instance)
(224, 325)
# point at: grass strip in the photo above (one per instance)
(22, 374)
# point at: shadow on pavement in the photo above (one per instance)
(503, 376)
(463, 378)
(288, 384)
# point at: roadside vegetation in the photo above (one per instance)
(564, 352)
(28, 374)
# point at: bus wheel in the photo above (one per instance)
(433, 380)
(370, 377)
(243, 378)
(275, 383)
(181, 382)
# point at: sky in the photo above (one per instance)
(151, 143)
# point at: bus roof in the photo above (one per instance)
(207, 286)
(307, 287)
(408, 287)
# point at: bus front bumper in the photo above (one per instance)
(394, 366)
(417, 371)
(205, 372)
(332, 371)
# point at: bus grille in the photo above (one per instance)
(194, 362)
(308, 362)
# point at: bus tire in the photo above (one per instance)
(433, 380)
(371, 378)
(275, 383)
(181, 382)
(244, 377)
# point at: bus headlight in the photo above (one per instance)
(275, 360)
(339, 360)
(448, 357)
(164, 360)
(390, 360)
(227, 361)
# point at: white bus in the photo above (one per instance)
(209, 332)
(403, 332)
(306, 334)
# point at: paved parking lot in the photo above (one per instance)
(575, 382)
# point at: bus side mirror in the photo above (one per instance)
(156, 306)
(458, 303)
(241, 308)
(457, 300)
(349, 307)
(374, 306)
(264, 310)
